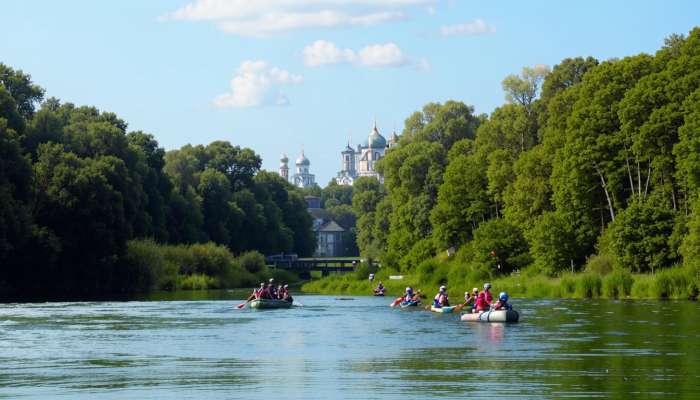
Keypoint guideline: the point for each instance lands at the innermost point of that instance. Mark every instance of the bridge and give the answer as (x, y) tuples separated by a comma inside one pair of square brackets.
[(304, 266)]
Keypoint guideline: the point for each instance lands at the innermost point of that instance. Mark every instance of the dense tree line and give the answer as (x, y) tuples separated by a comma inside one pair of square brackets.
[(76, 186), (587, 158)]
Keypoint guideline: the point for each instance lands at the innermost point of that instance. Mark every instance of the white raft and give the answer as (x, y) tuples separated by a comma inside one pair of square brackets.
[(492, 316)]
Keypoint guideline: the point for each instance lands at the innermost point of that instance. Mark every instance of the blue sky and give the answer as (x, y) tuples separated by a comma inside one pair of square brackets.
[(276, 75)]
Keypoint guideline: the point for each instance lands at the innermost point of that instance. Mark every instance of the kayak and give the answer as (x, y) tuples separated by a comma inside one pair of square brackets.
[(379, 293), (442, 309), (269, 303), (492, 316), (406, 304)]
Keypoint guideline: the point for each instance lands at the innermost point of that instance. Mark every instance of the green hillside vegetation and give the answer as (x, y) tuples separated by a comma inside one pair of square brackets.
[(585, 183), (84, 203)]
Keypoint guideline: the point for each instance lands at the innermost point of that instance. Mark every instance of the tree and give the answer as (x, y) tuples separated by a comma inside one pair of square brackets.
[(638, 238), (499, 247), (523, 89), (25, 93)]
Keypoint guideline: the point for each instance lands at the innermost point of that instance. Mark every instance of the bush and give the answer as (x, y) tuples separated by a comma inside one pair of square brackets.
[(567, 285), (588, 285), (641, 287), (674, 283), (252, 261), (496, 242), (198, 282), (618, 284), (600, 264)]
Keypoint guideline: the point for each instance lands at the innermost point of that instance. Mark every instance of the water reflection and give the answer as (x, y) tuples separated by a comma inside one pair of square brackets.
[(333, 348)]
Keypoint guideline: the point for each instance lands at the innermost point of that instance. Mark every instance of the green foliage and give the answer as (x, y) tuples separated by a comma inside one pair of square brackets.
[(588, 286), (499, 247), (617, 284), (638, 238), (552, 241), (601, 264), (76, 189), (252, 261)]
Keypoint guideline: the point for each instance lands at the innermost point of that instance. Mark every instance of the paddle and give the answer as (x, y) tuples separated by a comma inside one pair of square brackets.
[(396, 302), (246, 303)]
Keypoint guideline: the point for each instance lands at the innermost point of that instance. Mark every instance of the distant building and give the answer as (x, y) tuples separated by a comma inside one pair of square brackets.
[(284, 167), (361, 161), (302, 177), (329, 235)]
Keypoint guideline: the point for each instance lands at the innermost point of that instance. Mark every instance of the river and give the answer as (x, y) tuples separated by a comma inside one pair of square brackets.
[(346, 348)]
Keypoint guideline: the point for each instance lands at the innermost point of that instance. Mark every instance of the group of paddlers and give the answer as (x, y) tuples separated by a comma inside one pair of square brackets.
[(271, 292), (479, 301)]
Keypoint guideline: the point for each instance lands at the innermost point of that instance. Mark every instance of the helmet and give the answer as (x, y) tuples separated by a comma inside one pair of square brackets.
[(443, 288), (272, 280), (286, 286), (475, 290), (503, 296), (408, 289), (487, 286)]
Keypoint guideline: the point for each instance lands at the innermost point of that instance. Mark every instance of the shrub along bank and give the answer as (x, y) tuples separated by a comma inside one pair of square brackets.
[(197, 266), (671, 283)]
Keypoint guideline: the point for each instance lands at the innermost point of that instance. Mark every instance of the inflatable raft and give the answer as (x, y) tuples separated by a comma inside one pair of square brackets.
[(492, 316), (406, 304), (269, 304), (444, 310)]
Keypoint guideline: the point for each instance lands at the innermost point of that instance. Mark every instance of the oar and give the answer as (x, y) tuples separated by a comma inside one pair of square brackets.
[(244, 304)]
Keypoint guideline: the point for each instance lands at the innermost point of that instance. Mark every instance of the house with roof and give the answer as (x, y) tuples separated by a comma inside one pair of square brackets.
[(329, 235)]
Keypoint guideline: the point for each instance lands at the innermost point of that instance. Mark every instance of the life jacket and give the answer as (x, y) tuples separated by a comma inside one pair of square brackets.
[(408, 297), (489, 299), (481, 304)]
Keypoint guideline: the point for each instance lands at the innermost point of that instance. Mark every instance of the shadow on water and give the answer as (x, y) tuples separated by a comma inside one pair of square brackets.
[(196, 345)]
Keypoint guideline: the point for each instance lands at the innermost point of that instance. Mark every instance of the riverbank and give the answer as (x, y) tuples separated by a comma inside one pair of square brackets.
[(671, 283)]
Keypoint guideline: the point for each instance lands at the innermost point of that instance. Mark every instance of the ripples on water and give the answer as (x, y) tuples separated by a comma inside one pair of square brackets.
[(340, 348)]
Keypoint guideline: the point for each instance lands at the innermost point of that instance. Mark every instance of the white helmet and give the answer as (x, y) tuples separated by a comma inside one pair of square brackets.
[(442, 288), (487, 286)]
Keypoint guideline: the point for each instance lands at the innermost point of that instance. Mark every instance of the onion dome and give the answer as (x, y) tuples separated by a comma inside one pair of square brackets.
[(375, 140), (284, 159), (302, 160)]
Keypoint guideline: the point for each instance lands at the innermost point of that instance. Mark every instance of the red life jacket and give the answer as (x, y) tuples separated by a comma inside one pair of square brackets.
[(481, 304), (489, 299)]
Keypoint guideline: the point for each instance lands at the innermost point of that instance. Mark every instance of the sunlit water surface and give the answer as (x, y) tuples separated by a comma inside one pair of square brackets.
[(354, 348)]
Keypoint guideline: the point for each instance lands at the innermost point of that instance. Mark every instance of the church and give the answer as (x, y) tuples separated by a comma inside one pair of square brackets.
[(302, 177), (361, 161), (355, 163)]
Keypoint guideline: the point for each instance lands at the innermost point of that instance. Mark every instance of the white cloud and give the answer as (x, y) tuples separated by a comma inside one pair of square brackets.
[(378, 55), (275, 23), (256, 84), (476, 27), (323, 52), (267, 17)]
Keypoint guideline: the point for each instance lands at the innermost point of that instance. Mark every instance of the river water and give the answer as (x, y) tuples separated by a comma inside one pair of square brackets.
[(346, 348)]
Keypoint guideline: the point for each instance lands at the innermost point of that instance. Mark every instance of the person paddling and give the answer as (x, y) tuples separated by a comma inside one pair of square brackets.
[(487, 293), (470, 297), (272, 289), (379, 289), (285, 294), (502, 303), (481, 304), (441, 299)]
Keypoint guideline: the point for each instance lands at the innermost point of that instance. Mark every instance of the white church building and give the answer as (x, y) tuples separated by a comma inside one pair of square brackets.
[(355, 163), (361, 161)]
